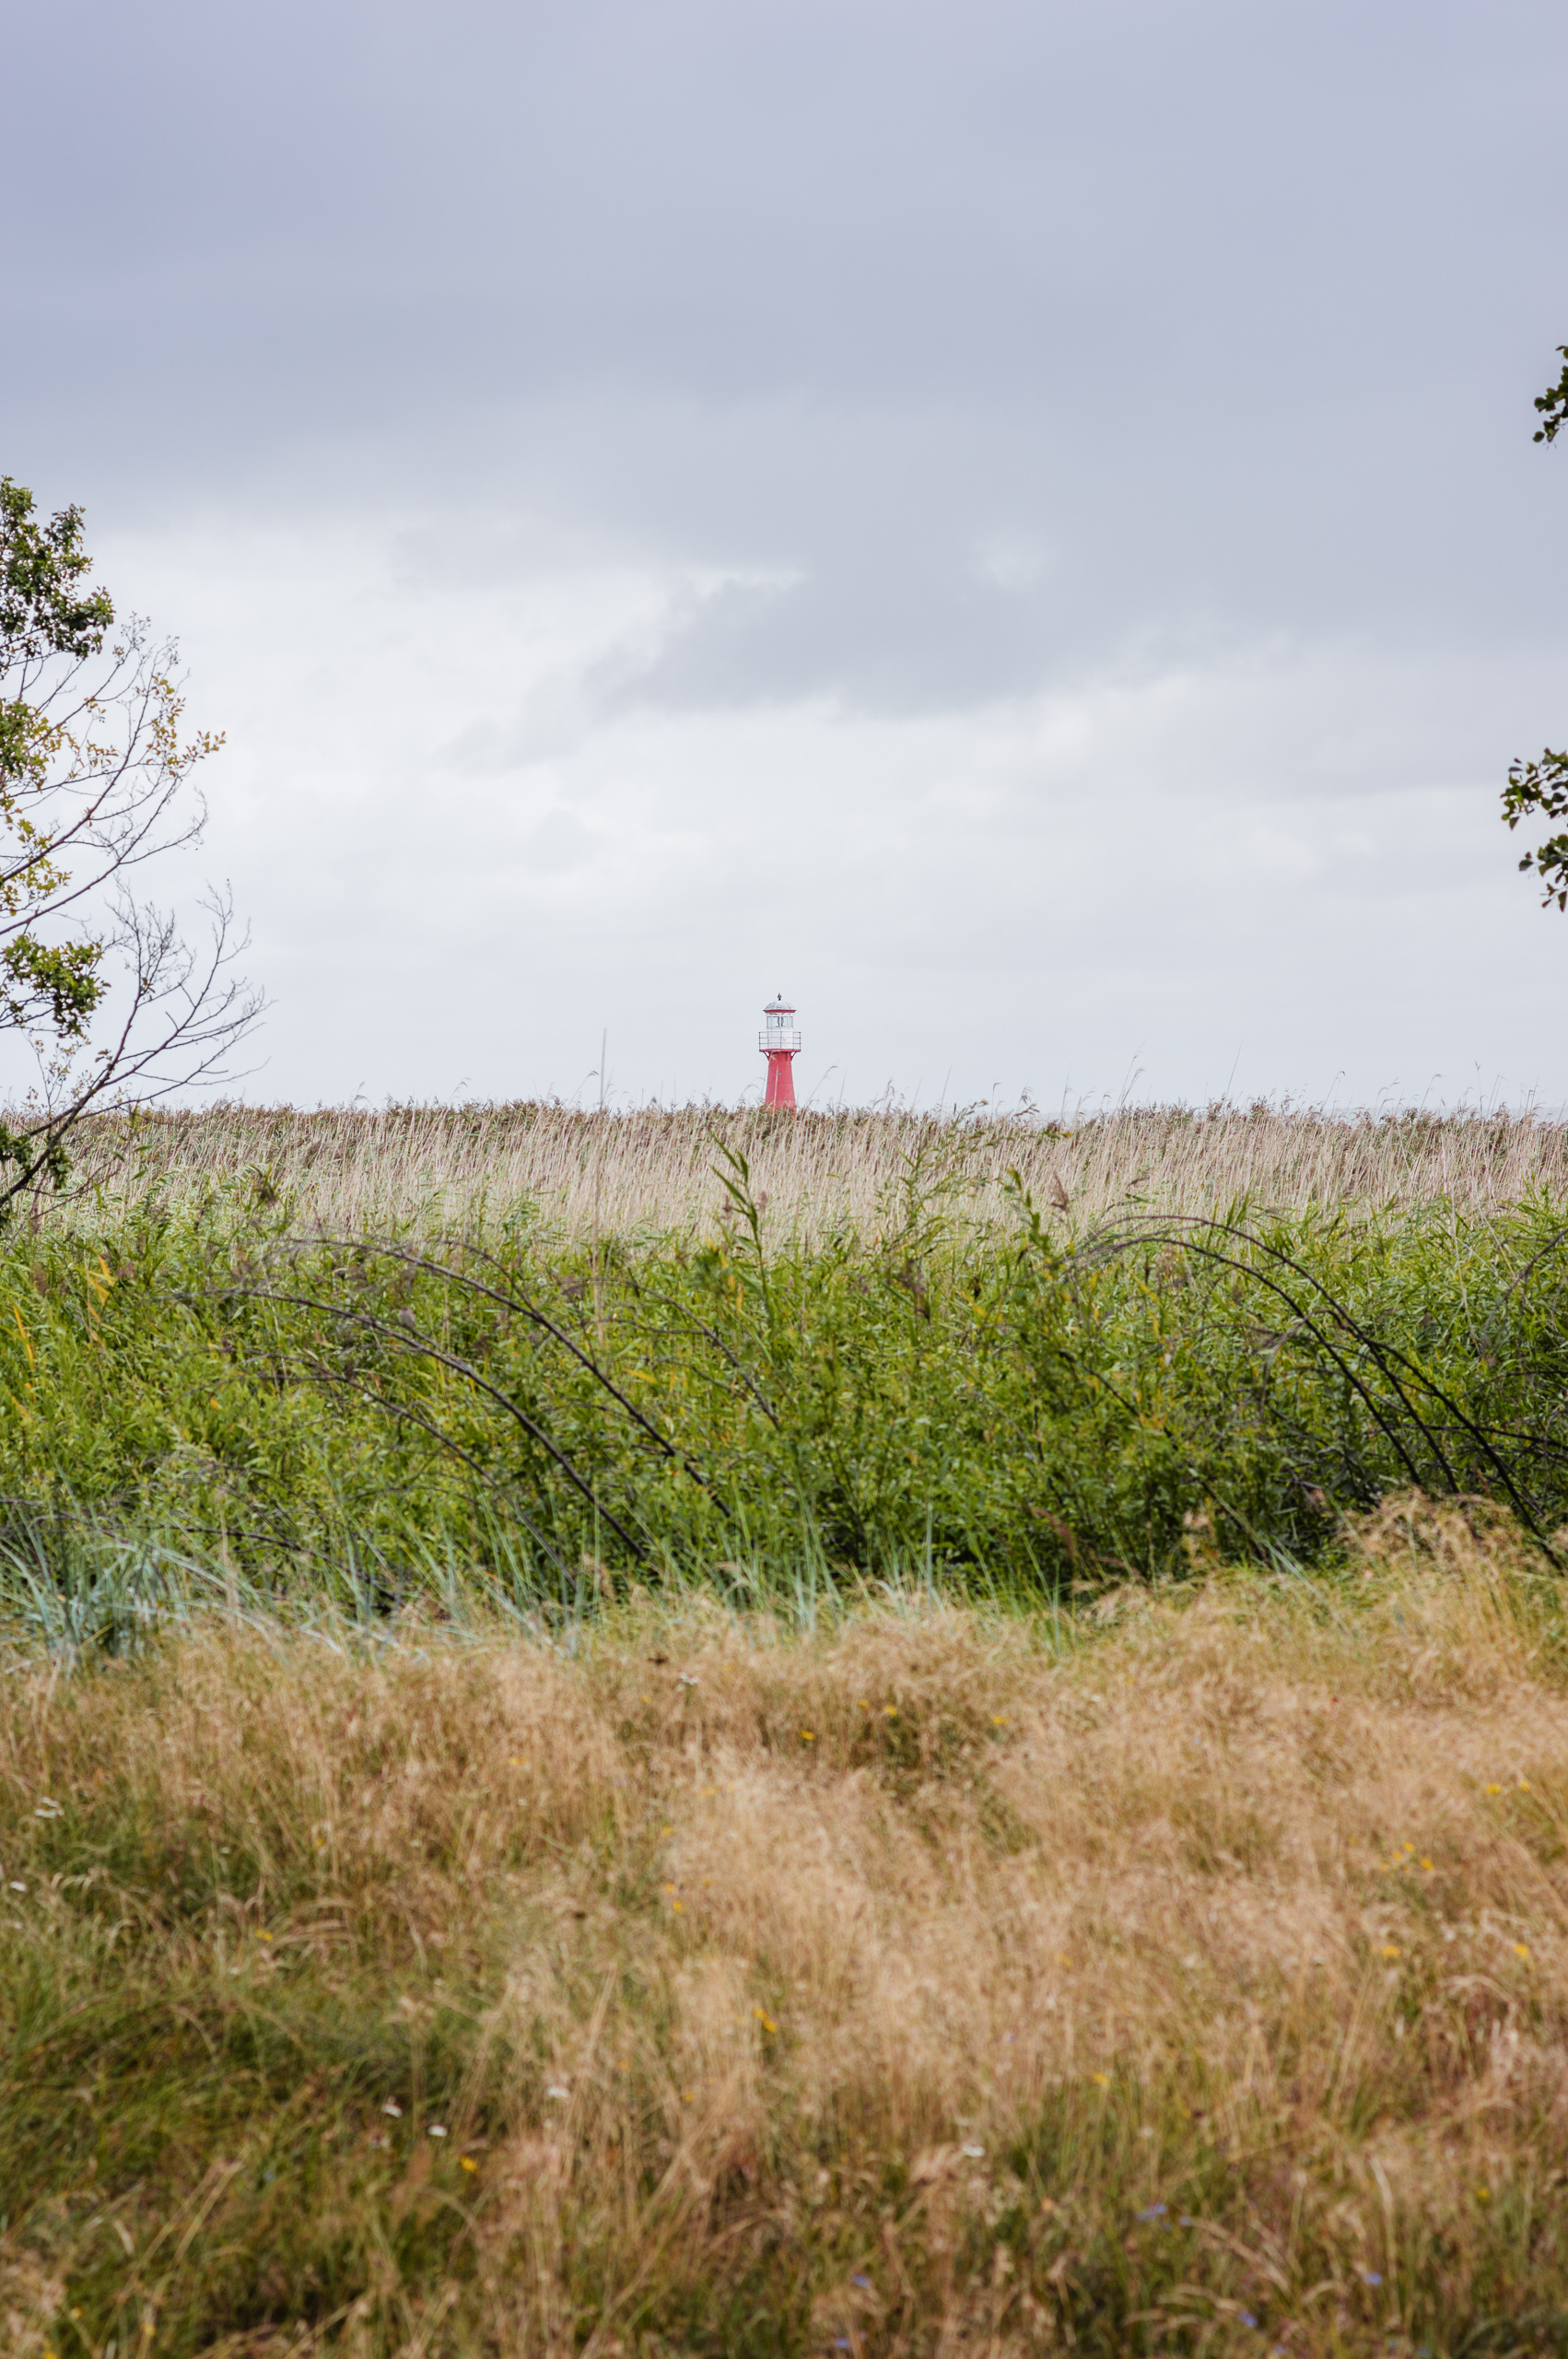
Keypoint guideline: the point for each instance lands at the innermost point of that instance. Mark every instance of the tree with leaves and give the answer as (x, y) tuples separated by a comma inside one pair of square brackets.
[(1543, 786), (108, 1001)]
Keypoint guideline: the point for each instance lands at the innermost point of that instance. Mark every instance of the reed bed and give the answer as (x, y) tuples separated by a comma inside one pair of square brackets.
[(436, 1168), (1186, 1976)]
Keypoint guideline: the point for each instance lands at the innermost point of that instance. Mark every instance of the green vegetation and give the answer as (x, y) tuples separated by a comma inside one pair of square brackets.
[(709, 1793), (198, 1404)]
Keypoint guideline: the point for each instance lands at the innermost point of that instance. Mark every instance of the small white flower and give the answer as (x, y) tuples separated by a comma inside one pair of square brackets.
[(559, 2094), (17, 1887), (974, 2152), (392, 2106), (437, 2130)]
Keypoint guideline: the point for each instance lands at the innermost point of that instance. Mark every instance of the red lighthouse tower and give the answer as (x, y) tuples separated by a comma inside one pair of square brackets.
[(780, 1044)]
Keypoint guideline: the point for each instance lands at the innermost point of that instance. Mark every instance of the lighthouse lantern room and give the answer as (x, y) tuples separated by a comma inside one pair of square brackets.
[(780, 1044)]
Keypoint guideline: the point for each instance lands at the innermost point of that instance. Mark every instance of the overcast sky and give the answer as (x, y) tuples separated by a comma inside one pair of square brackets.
[(1015, 523)]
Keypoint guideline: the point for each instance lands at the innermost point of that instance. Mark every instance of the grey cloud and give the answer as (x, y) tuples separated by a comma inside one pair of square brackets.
[(560, 842), (1093, 439), (1238, 311)]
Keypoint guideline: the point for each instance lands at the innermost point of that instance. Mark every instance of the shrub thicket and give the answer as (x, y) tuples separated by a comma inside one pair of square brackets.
[(200, 1397)]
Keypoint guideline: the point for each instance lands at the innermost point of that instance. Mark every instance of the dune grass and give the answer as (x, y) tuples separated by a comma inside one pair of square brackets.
[(1188, 1973)]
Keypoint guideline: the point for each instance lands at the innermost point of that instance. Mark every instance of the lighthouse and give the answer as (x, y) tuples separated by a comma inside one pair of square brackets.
[(780, 1044)]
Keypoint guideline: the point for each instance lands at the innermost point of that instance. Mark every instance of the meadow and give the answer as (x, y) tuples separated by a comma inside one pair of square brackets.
[(679, 1733)]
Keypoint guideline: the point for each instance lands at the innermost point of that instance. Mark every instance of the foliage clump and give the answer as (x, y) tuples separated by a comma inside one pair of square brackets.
[(1015, 1411)]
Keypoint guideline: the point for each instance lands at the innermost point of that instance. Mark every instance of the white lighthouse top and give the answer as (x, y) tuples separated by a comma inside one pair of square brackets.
[(780, 1036)]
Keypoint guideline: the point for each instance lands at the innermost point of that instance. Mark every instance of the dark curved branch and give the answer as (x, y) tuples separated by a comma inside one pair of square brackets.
[(410, 1340), (409, 1415), (667, 1302), (1390, 1434), (1381, 1353), (525, 1309)]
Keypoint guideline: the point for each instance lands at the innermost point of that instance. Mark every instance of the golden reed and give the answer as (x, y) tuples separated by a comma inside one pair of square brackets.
[(653, 1170)]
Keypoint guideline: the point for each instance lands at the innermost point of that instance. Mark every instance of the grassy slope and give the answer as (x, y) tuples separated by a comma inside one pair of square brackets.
[(939, 1982)]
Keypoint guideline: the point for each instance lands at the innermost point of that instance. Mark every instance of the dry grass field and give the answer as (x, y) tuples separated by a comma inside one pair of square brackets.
[(1193, 1977), (436, 1168)]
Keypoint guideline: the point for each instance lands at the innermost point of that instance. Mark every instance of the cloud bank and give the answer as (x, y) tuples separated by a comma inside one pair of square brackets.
[(1016, 524)]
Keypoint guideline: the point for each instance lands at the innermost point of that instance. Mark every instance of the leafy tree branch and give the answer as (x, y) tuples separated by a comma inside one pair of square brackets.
[(1540, 787), (95, 781), (1553, 404)]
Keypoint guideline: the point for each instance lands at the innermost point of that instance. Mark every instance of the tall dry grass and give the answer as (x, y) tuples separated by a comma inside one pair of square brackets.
[(1194, 1979), (442, 1168)]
